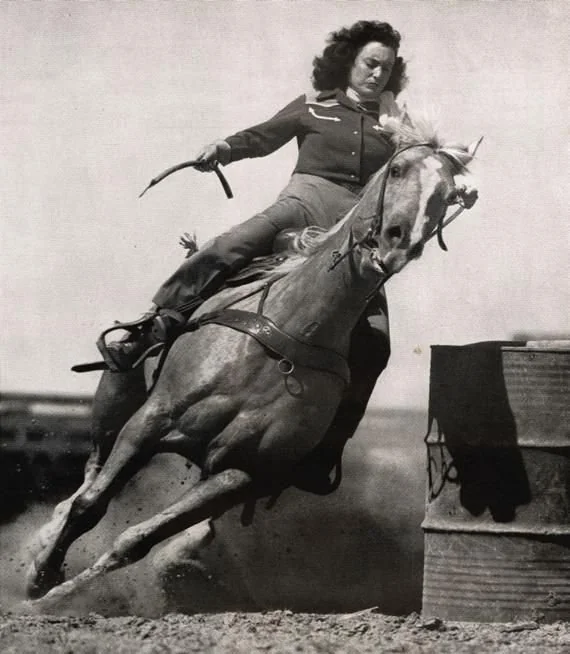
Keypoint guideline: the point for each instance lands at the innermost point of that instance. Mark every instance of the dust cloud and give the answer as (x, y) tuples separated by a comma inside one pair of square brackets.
[(130, 591)]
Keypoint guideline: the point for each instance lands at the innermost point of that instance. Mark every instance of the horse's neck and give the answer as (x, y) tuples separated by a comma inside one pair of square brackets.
[(318, 304)]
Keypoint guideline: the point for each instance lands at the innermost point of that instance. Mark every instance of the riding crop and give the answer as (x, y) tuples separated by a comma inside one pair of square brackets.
[(190, 164)]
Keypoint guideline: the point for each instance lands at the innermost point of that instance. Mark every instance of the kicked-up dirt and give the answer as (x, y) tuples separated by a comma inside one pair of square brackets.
[(127, 612), (284, 632)]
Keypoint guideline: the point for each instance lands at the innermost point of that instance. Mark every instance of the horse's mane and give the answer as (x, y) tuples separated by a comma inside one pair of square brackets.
[(402, 133), (306, 243), (423, 129)]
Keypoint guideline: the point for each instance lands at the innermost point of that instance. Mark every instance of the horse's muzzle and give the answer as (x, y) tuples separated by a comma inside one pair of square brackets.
[(415, 252)]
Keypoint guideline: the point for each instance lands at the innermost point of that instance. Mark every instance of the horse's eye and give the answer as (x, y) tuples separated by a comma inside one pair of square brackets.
[(395, 171)]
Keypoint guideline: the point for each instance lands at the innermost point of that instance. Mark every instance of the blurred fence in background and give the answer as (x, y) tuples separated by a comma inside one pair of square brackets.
[(44, 442)]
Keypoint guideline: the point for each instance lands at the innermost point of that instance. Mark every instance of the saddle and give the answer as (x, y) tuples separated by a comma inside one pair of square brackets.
[(260, 266), (278, 343)]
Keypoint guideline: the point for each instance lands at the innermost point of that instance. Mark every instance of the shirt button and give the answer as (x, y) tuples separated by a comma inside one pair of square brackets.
[(353, 177), (353, 154), (355, 131)]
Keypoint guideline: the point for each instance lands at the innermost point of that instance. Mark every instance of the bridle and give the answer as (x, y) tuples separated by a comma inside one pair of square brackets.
[(368, 240), (379, 214)]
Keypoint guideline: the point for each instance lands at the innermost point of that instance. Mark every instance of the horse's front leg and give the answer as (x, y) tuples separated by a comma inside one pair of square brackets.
[(117, 398), (49, 532), (208, 498), (131, 451)]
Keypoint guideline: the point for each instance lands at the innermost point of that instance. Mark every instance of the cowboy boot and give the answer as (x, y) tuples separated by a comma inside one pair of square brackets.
[(146, 338)]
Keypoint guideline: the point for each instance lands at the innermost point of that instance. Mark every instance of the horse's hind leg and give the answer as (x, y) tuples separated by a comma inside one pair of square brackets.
[(207, 498), (131, 451)]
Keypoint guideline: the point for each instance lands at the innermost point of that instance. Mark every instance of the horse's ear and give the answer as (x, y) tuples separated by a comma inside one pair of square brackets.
[(462, 154), (391, 128), (473, 147), (399, 129)]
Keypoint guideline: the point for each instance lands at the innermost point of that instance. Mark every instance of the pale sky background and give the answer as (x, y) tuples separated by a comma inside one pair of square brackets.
[(99, 97)]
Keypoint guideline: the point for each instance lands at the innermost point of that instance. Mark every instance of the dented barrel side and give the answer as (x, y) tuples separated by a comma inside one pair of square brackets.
[(497, 522)]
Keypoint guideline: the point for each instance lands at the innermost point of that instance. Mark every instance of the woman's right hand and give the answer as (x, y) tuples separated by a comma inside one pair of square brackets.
[(218, 152)]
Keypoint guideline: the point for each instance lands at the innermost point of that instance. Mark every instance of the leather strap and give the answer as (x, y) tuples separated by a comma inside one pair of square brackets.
[(268, 334), (265, 332)]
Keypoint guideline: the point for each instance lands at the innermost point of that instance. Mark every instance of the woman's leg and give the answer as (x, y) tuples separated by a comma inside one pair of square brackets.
[(200, 276), (307, 200)]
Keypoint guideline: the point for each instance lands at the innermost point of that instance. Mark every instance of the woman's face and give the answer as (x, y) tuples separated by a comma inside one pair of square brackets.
[(371, 70)]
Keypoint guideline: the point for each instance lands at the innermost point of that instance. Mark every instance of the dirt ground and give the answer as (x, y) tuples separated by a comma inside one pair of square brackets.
[(272, 632), (125, 613)]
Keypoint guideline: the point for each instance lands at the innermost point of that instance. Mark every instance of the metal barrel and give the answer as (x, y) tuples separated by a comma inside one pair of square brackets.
[(497, 521)]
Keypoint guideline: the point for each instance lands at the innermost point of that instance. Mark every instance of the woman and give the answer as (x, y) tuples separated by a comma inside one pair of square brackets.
[(341, 144)]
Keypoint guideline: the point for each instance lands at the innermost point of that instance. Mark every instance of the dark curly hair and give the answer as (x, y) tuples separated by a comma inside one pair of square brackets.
[(332, 69)]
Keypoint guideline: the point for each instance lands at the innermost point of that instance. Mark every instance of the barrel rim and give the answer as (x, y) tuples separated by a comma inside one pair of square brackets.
[(504, 347)]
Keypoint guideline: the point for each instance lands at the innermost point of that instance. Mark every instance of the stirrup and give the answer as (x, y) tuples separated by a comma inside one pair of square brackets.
[(159, 332), (132, 327)]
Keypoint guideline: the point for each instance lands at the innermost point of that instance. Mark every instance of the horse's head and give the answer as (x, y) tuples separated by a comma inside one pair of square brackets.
[(405, 203)]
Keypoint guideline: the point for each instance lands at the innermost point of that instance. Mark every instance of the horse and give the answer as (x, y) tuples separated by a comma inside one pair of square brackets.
[(249, 391)]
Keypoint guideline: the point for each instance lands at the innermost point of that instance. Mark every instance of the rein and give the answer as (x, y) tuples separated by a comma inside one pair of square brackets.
[(369, 242), (368, 239)]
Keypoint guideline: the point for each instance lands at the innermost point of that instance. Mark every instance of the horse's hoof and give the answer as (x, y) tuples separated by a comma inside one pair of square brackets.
[(39, 583)]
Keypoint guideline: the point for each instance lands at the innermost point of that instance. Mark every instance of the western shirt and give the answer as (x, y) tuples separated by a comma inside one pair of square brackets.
[(336, 138)]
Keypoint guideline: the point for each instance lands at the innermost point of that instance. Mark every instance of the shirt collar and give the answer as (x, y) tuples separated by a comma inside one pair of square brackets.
[(353, 95), (350, 99)]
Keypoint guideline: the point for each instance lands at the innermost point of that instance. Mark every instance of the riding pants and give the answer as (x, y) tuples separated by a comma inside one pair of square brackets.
[(306, 200)]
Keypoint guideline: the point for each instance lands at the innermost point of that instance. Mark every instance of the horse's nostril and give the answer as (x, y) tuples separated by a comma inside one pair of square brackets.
[(394, 234)]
